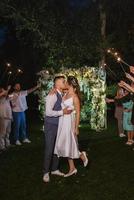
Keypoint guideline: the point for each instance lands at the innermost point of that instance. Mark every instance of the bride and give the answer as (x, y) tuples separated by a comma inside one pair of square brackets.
[(66, 143)]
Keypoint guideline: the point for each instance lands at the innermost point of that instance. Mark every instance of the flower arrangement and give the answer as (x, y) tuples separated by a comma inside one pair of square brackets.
[(93, 87)]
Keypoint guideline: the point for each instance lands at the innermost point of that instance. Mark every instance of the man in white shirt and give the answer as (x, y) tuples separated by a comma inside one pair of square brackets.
[(19, 106), (53, 112)]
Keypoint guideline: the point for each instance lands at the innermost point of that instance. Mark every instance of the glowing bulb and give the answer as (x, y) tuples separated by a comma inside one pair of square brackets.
[(19, 71), (109, 51), (9, 72), (115, 53), (118, 59), (8, 65)]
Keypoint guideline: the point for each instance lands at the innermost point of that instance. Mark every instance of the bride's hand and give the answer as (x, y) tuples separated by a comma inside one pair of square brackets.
[(77, 131)]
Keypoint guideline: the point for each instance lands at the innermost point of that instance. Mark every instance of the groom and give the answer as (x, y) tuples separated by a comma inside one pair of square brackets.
[(53, 112)]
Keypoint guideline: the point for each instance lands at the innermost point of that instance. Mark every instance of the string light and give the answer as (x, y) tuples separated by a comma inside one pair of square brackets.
[(47, 72), (8, 64)]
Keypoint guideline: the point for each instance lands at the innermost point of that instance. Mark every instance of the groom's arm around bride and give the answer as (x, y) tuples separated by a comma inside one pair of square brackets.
[(50, 102)]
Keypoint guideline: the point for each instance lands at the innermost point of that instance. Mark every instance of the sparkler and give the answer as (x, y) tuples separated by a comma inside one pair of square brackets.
[(18, 72), (9, 75), (116, 55), (118, 58), (107, 67), (122, 67), (8, 65)]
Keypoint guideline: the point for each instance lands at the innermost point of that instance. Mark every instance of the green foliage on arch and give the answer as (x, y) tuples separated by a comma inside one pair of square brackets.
[(93, 87)]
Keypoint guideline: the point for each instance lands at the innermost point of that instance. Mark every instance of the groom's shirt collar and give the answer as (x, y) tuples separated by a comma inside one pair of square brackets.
[(59, 92)]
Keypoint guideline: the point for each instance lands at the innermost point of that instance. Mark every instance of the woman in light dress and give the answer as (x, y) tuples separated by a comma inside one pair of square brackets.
[(5, 118), (68, 130), (127, 124), (119, 112)]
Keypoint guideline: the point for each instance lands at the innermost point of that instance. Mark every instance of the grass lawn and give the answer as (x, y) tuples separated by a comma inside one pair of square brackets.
[(110, 175)]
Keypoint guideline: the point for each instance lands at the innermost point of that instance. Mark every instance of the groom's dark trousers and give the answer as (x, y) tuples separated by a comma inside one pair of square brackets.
[(51, 161)]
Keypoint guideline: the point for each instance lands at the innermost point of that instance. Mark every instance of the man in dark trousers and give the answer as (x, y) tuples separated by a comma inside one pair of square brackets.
[(53, 112)]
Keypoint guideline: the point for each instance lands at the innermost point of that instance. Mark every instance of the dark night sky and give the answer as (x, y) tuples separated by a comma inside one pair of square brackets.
[(8, 39), (72, 3), (79, 3), (9, 42), (3, 35)]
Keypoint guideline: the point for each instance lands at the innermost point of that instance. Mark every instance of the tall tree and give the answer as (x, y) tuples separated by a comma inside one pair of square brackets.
[(58, 34)]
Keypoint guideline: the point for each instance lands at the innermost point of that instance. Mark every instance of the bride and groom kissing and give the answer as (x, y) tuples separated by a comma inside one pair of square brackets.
[(62, 118)]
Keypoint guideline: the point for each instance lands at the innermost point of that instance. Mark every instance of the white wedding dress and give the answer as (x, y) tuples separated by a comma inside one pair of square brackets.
[(66, 143)]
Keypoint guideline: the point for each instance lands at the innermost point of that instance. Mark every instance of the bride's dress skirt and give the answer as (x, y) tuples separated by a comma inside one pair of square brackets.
[(66, 142)]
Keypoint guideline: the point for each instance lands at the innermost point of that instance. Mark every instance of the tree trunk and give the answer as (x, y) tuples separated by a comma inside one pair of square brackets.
[(103, 33)]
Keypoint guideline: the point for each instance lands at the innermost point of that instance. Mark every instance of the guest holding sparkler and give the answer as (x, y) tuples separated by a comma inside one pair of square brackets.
[(118, 110), (19, 106), (127, 102), (130, 88)]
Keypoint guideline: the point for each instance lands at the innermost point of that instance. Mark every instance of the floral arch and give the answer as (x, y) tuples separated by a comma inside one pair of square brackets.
[(93, 87)]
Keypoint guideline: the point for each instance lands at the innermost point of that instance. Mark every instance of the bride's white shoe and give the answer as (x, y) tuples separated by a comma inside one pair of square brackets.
[(85, 162), (71, 173)]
